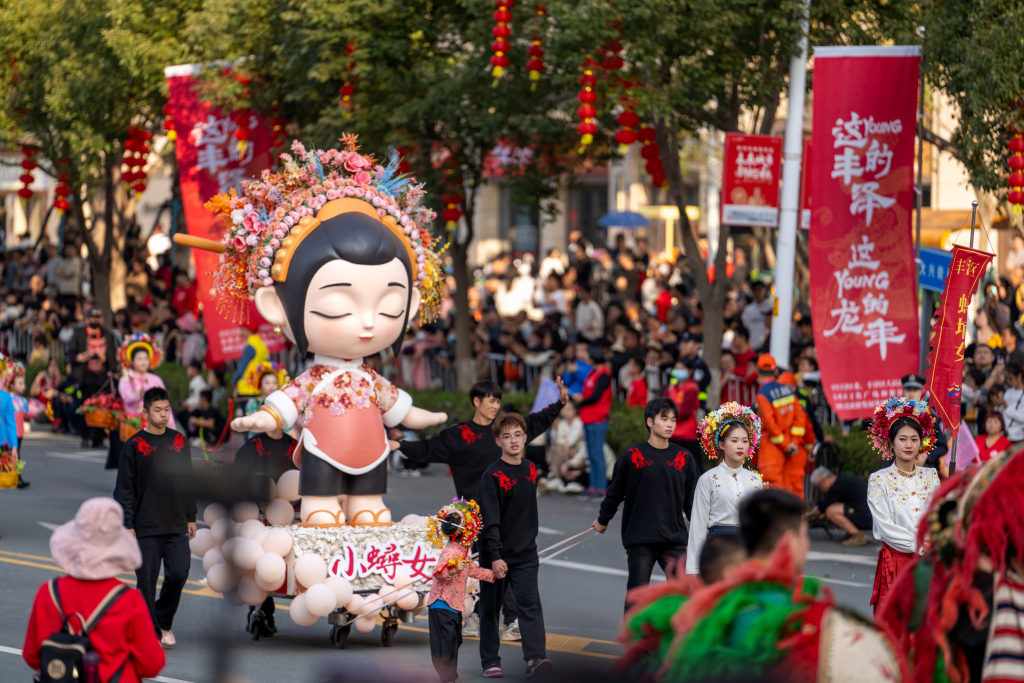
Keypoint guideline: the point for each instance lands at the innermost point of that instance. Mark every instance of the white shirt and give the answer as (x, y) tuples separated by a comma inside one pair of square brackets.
[(196, 386), (589, 320), (898, 501), (717, 502), (753, 317), (1013, 413)]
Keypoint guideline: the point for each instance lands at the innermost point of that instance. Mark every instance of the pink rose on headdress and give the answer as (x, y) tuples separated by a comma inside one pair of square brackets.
[(298, 148), (268, 251), (360, 192), (378, 202), (262, 274), (257, 227), (332, 194), (362, 178), (350, 192), (240, 244), (287, 220), (251, 240), (355, 162), (265, 262), (249, 219), (274, 244), (267, 282), (321, 199), (404, 221), (278, 235)]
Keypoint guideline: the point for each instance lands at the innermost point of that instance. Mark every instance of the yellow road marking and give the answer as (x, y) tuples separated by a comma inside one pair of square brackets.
[(556, 643)]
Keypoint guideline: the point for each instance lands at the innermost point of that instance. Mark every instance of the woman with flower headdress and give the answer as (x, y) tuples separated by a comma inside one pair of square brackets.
[(898, 495), (138, 355), (731, 433), (335, 251)]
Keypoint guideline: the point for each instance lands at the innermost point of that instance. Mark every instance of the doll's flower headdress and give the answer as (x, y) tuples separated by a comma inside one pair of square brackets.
[(729, 413), (139, 340), (472, 523), (11, 369), (266, 223), (255, 374), (892, 410)]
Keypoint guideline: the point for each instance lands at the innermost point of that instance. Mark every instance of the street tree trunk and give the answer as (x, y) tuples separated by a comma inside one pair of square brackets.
[(712, 295)]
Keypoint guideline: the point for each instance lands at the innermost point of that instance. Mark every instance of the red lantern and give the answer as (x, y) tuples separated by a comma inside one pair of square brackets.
[(136, 150), (535, 65), (451, 214), (652, 154), (587, 112), (628, 120), (348, 89), (27, 178), (1016, 194), (503, 17), (62, 191)]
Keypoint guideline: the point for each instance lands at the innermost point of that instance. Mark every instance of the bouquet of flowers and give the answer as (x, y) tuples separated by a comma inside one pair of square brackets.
[(10, 468)]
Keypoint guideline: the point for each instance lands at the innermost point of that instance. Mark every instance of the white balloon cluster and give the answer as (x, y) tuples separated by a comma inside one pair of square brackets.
[(244, 560)]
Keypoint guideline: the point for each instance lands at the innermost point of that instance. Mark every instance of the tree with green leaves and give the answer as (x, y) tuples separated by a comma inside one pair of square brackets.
[(422, 85), (79, 75)]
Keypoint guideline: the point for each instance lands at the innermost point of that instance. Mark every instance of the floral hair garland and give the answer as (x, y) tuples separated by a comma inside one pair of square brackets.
[(472, 523), (729, 413), (258, 221), (11, 370), (894, 409), (139, 340), (255, 374)]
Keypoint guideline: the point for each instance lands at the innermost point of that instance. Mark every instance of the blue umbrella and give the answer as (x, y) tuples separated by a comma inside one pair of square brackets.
[(623, 219)]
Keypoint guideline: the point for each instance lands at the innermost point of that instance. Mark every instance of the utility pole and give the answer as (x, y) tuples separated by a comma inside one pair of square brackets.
[(789, 215)]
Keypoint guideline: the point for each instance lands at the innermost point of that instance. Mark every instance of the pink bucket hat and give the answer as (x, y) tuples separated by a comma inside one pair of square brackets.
[(95, 545)]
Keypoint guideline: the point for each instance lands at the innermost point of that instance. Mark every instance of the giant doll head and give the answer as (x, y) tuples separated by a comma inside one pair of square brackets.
[(333, 250)]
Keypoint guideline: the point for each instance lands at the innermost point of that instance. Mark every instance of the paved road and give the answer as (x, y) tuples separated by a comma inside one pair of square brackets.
[(582, 590)]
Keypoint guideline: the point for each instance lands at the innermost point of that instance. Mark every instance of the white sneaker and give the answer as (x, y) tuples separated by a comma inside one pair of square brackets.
[(471, 626), (573, 487), (511, 632), (167, 639)]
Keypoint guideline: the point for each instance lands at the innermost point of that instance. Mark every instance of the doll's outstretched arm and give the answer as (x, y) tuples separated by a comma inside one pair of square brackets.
[(417, 418)]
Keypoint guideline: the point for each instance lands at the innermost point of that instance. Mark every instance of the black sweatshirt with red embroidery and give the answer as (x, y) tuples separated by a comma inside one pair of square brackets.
[(508, 505), (657, 485), (154, 484), (263, 455), (469, 448)]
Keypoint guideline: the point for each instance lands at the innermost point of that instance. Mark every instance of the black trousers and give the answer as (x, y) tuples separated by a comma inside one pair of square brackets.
[(508, 606), (522, 577), (640, 561), (445, 639), (173, 551), (267, 607)]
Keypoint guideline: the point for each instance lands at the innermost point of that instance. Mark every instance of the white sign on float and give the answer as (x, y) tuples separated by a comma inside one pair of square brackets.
[(384, 559)]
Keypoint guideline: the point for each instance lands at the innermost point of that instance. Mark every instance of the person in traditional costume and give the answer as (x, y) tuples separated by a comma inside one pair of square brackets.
[(765, 619), (898, 495), (268, 376), (139, 354), (14, 384), (453, 529), (333, 250), (731, 433)]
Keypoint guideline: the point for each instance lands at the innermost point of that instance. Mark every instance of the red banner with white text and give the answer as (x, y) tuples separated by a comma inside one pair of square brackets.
[(210, 160), (946, 360), (863, 293), (750, 180)]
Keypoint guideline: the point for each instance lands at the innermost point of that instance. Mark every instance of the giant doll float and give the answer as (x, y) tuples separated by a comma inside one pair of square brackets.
[(334, 250)]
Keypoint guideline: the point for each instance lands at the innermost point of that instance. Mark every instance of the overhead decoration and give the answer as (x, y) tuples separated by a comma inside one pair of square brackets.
[(587, 97), (277, 132), (501, 32), (63, 192), (1016, 145), (627, 120), (347, 90), (451, 213), (26, 177), (136, 151), (535, 64), (172, 134), (243, 133), (651, 154)]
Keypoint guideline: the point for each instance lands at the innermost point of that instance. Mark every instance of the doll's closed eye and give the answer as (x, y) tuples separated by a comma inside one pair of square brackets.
[(331, 317), (395, 316)]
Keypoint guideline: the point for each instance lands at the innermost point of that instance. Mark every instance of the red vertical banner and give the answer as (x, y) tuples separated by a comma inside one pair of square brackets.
[(210, 160), (946, 360), (863, 295), (750, 180)]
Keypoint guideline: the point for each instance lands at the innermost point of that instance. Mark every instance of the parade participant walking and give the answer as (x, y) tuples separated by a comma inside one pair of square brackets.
[(731, 433), (508, 503), (898, 495), (766, 621), (655, 479), (155, 489), (93, 351), (844, 503), (787, 433), (93, 549), (11, 427), (139, 355), (270, 455), (455, 528), (468, 448), (594, 405)]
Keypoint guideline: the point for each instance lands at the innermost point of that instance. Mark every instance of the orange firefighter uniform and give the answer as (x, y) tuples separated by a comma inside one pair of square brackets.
[(786, 437)]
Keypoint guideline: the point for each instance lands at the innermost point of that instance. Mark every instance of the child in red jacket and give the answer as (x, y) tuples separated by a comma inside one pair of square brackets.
[(93, 549), (456, 527)]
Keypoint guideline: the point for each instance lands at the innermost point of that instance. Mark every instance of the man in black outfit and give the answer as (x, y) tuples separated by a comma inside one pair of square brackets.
[(468, 449), (265, 455), (94, 353), (508, 505), (844, 503), (155, 489), (656, 480)]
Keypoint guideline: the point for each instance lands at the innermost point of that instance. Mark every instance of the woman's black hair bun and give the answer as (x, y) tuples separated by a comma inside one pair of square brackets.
[(450, 525)]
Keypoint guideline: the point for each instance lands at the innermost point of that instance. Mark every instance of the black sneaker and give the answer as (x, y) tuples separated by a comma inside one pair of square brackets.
[(22, 484), (539, 666)]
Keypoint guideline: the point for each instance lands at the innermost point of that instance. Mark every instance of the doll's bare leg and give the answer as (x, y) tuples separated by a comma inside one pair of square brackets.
[(369, 506), (321, 510)]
